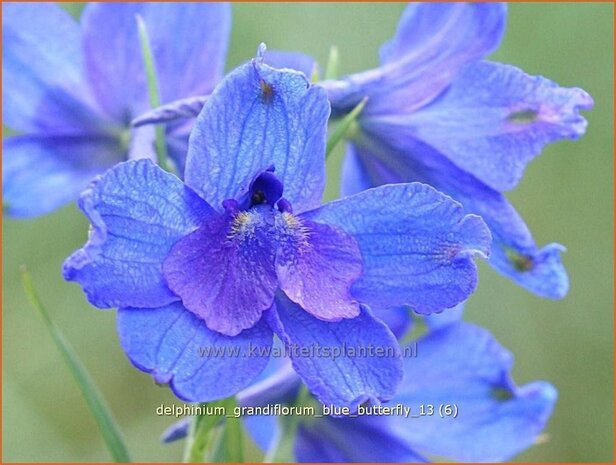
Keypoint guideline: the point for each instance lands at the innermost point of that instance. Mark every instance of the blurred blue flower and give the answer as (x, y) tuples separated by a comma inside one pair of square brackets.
[(460, 367), (438, 113), (70, 90), (242, 250)]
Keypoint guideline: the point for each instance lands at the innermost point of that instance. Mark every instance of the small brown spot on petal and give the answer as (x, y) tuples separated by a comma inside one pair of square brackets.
[(523, 116), (267, 91)]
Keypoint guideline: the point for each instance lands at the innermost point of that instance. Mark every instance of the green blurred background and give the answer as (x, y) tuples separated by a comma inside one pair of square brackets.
[(566, 196)]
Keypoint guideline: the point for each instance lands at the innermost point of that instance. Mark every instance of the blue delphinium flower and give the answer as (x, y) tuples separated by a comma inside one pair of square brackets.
[(438, 113), (70, 90), (242, 250), (460, 372)]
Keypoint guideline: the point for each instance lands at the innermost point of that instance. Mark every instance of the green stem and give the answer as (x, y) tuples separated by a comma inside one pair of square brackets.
[(343, 127), (214, 438), (234, 439), (282, 451), (153, 91), (99, 409)]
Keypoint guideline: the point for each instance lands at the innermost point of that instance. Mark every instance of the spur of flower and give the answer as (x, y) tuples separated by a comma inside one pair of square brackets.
[(242, 249), (70, 90), (437, 112)]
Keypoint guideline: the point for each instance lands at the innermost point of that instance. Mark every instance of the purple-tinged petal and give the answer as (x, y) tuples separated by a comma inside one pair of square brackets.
[(362, 439), (200, 365), (259, 117), (513, 253), (224, 271), (41, 173), (42, 82), (291, 60), (334, 374), (188, 42), (138, 212), (316, 265), (493, 120), (416, 243), (463, 365), (434, 42)]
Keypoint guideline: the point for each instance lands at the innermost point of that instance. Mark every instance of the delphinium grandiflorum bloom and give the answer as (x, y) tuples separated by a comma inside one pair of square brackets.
[(438, 113), (460, 372), (71, 89), (242, 250)]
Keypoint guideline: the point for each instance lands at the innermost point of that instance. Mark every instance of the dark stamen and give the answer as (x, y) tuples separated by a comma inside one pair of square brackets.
[(258, 198)]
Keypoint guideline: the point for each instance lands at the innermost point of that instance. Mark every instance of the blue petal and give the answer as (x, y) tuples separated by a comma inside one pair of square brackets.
[(539, 270), (332, 373), (316, 265), (355, 175), (361, 439), (398, 319), (42, 83), (264, 430), (462, 364), (513, 253), (441, 30), (280, 386), (292, 60), (41, 173), (259, 117), (188, 41), (433, 43), (417, 246), (177, 431), (224, 271), (172, 344), (493, 120), (138, 212)]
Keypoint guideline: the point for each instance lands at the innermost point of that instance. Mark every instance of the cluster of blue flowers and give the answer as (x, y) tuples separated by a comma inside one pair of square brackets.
[(235, 247)]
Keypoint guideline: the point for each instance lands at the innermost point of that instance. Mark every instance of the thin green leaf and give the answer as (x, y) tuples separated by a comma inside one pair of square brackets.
[(343, 126), (215, 438), (99, 409), (201, 437), (331, 72), (153, 91)]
